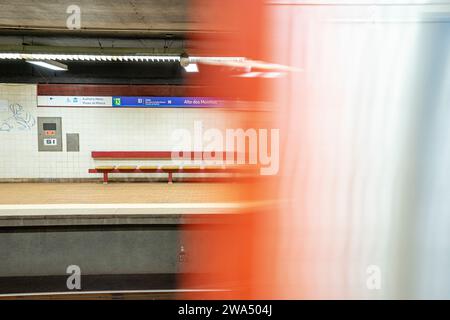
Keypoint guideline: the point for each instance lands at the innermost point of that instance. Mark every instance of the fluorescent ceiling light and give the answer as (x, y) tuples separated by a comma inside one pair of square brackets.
[(53, 65), (121, 58), (273, 74), (254, 74), (191, 67), (250, 75), (216, 59), (102, 57)]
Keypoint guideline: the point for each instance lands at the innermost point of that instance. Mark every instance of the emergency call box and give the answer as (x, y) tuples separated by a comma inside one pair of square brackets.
[(49, 134)]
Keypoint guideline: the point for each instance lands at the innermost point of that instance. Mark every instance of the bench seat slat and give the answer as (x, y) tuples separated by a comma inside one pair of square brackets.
[(102, 168), (214, 168), (192, 167), (148, 167), (170, 167), (126, 167)]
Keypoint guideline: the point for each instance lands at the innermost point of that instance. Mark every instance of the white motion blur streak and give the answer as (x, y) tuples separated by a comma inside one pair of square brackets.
[(351, 122)]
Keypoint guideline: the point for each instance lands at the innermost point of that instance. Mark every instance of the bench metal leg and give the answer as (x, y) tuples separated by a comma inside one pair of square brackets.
[(105, 177), (170, 178)]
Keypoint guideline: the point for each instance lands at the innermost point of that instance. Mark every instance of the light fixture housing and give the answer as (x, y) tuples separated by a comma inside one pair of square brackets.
[(49, 64), (187, 64)]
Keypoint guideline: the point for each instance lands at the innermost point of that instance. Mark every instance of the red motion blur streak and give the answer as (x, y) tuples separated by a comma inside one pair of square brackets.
[(239, 255)]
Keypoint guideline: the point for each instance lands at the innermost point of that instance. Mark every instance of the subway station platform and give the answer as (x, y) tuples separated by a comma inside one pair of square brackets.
[(58, 204), (114, 193)]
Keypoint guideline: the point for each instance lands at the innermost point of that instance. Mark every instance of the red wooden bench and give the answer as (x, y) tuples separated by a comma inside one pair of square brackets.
[(170, 169)]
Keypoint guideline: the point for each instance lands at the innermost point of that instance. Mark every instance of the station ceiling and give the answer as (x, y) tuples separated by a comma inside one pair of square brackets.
[(105, 17), (108, 27)]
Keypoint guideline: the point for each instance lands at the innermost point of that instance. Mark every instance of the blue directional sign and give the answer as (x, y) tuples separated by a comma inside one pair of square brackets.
[(166, 102)]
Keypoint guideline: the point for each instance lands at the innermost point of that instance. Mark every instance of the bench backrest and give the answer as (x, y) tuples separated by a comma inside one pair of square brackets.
[(148, 155), (137, 155)]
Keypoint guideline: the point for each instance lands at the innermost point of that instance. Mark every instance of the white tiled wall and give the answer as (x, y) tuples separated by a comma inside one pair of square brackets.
[(100, 129)]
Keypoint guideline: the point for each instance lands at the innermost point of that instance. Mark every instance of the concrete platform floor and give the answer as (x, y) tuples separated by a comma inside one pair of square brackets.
[(95, 193)]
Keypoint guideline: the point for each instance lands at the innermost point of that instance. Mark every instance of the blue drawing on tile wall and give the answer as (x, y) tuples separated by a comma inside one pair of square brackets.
[(17, 119)]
